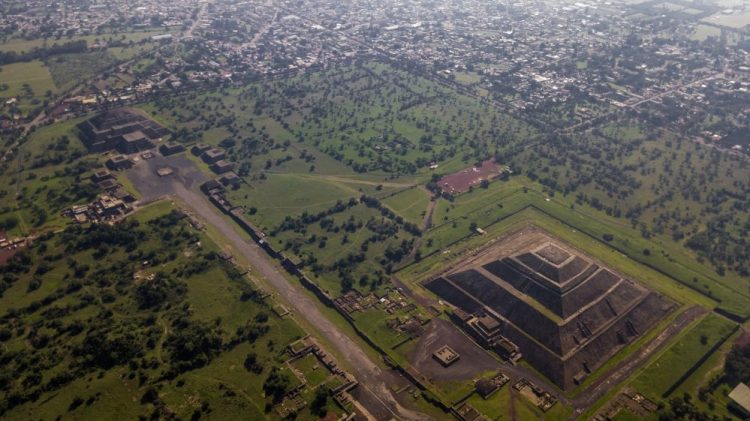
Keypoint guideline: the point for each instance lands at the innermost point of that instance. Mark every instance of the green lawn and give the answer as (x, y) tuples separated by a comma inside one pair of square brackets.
[(314, 372), (664, 373), (288, 194), (35, 75), (410, 204), (20, 45)]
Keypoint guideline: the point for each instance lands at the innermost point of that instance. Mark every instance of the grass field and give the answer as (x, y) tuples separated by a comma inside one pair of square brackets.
[(20, 45), (305, 143), (497, 407), (35, 75), (222, 384), (451, 233), (50, 173), (70, 69), (701, 377), (281, 183), (467, 78), (663, 374), (280, 195), (411, 204)]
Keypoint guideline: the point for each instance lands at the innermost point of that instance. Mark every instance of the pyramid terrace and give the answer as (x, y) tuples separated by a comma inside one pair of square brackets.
[(566, 313)]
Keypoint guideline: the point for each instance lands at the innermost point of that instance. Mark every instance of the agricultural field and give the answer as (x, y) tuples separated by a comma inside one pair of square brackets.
[(133, 327), (410, 203)]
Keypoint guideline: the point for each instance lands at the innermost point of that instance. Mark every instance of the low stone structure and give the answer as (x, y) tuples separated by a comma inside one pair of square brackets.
[(171, 148), (446, 356), (119, 163)]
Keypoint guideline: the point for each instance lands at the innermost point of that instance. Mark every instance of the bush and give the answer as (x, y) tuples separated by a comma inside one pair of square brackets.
[(77, 401), (101, 350), (193, 346), (276, 385), (737, 365), (319, 404), (150, 294), (251, 363)]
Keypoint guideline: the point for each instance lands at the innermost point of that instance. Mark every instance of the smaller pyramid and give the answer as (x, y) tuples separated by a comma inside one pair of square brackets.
[(123, 129)]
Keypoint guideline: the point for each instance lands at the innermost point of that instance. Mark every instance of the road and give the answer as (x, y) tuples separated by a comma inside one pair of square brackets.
[(266, 27), (182, 184), (719, 75), (198, 18)]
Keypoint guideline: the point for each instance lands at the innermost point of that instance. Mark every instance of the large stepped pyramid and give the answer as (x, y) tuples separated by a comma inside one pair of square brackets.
[(567, 313)]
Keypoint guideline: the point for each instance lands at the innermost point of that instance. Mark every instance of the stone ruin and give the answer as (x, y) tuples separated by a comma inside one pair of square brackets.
[(567, 313)]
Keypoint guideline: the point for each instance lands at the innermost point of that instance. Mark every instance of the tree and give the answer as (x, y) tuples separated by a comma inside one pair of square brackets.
[(105, 351), (251, 363), (737, 365), (276, 385), (153, 293), (319, 404), (193, 346)]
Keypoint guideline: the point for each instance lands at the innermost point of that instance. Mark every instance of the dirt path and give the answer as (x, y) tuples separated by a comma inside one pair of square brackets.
[(344, 179), (426, 224), (266, 27), (512, 405), (160, 346), (366, 371)]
